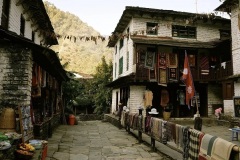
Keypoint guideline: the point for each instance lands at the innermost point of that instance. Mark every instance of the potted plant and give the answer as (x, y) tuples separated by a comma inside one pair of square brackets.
[(167, 111)]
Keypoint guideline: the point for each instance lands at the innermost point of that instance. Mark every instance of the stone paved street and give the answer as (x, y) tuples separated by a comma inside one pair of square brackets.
[(96, 140)]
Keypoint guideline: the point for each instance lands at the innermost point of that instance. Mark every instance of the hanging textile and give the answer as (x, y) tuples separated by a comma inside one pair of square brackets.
[(148, 125), (172, 60), (188, 80), (194, 144), (162, 79), (186, 137), (180, 137), (221, 149), (191, 59), (135, 121), (206, 147), (156, 130), (164, 98), (164, 132), (162, 60), (181, 96), (148, 97), (123, 119), (35, 75), (171, 131), (204, 64), (150, 60)]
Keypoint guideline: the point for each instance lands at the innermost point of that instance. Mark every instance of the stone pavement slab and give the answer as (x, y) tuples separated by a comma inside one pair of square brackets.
[(97, 140)]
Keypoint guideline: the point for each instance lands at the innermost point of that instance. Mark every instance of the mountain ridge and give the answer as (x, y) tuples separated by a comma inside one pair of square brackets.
[(80, 47)]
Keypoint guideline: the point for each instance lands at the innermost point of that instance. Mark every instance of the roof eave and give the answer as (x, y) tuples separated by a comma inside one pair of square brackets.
[(226, 6)]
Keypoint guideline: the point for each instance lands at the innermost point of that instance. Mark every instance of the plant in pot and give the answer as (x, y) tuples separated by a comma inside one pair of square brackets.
[(167, 111)]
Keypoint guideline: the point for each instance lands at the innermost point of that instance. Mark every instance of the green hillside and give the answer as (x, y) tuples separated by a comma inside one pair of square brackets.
[(80, 46)]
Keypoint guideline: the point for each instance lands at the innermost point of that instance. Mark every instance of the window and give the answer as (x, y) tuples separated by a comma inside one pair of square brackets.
[(22, 26), (183, 31), (121, 43), (128, 33), (115, 74), (5, 14), (120, 66), (228, 90), (116, 101), (127, 60), (152, 28), (116, 49), (33, 36)]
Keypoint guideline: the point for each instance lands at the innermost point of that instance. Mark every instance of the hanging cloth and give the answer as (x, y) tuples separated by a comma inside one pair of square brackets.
[(148, 97), (164, 97)]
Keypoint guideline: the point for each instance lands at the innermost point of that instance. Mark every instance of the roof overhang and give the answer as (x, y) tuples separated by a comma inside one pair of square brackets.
[(122, 80), (169, 41), (129, 80), (227, 5), (38, 15), (45, 57)]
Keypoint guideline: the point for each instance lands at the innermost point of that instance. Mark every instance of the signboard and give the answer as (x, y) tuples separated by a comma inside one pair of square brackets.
[(236, 103)]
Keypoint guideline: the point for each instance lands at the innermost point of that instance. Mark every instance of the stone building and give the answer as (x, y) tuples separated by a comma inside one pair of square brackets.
[(31, 73), (150, 45), (232, 8)]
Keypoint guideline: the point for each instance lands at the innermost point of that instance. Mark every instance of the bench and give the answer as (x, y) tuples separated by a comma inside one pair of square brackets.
[(235, 132)]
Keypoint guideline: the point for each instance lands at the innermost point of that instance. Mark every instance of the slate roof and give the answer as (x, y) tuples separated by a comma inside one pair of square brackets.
[(139, 12)]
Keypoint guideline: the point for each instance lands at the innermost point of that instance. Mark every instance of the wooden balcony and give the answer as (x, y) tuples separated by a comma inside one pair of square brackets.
[(221, 71)]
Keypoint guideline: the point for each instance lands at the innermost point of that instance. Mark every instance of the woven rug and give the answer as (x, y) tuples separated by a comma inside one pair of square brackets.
[(206, 147), (221, 149)]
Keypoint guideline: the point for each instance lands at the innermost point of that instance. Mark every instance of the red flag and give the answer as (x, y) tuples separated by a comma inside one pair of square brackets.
[(187, 78)]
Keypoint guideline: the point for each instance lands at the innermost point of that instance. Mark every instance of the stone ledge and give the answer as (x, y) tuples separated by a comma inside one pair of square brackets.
[(89, 117), (112, 119)]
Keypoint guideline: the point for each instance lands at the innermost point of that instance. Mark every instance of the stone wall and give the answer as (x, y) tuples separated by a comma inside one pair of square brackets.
[(235, 41), (112, 119), (228, 104), (205, 31), (90, 117), (136, 98), (214, 97), (16, 75)]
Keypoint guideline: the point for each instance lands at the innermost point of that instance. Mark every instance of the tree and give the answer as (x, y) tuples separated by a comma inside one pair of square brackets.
[(102, 94), (71, 89)]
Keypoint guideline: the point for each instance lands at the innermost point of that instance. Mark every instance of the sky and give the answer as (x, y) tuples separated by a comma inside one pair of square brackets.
[(103, 15)]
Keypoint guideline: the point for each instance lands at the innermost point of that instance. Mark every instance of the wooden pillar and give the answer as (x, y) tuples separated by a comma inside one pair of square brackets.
[(153, 144), (140, 118)]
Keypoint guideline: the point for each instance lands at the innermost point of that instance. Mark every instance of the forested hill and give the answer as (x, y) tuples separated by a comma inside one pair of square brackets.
[(78, 48)]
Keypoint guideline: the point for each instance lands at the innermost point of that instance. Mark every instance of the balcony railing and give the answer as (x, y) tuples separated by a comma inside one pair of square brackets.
[(218, 72)]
